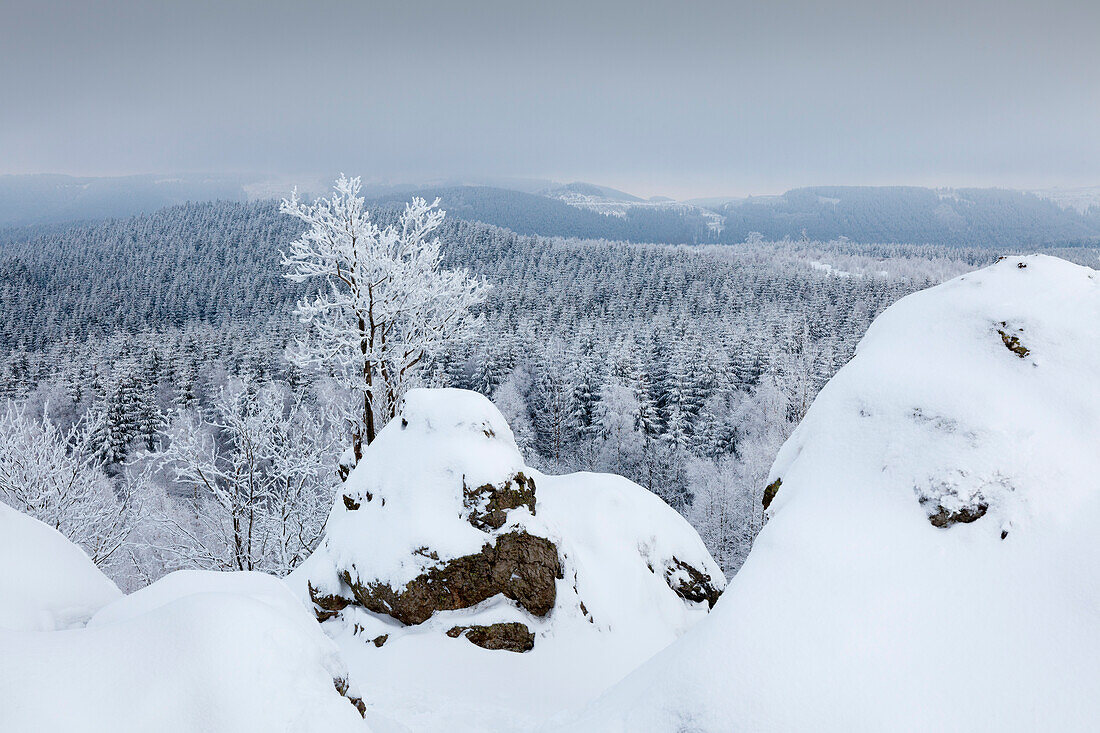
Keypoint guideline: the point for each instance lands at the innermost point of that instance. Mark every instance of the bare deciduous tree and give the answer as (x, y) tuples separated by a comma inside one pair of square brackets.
[(262, 474), (385, 304), (54, 476)]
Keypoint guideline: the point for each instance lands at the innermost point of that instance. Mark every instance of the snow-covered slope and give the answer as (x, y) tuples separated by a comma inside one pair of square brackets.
[(196, 651), (46, 582), (931, 560), (443, 542)]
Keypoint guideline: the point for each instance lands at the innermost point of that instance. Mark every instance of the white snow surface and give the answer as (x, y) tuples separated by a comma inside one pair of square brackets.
[(413, 473), (854, 612), (614, 538), (46, 582), (259, 586), (195, 651)]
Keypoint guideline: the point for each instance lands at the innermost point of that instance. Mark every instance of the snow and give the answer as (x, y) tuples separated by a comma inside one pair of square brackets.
[(259, 586), (195, 651), (1078, 199), (616, 542), (46, 582), (830, 270), (619, 209), (202, 663), (416, 472), (854, 612)]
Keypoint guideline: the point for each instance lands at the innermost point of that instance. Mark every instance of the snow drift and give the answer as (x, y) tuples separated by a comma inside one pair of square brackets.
[(470, 592), (46, 582), (195, 651), (931, 560)]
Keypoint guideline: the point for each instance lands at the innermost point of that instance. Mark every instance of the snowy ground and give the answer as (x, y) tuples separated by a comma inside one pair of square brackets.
[(855, 611), (930, 563), (46, 582), (195, 651)]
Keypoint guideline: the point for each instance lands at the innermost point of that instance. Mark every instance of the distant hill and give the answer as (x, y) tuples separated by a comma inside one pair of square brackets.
[(526, 213), (48, 199), (589, 189), (979, 217), (974, 216)]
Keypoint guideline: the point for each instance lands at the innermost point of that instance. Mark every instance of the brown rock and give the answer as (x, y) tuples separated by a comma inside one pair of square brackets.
[(520, 566), (327, 606), (1012, 342), (697, 588), (488, 504), (380, 640), (770, 491), (966, 515), (341, 685), (512, 637)]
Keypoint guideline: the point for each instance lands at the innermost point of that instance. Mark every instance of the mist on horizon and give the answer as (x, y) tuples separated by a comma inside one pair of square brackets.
[(693, 99)]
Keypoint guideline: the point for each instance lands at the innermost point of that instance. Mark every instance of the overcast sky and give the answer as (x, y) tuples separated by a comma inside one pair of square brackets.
[(679, 98)]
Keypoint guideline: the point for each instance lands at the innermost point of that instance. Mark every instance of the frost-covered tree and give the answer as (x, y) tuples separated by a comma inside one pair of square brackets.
[(54, 476), (385, 304), (261, 473)]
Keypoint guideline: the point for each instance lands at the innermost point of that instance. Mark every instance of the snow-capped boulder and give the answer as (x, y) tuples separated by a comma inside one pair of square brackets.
[(194, 651), (46, 582), (931, 559), (444, 551)]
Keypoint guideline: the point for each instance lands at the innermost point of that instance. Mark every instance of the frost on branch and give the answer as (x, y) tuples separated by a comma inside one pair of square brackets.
[(54, 476), (383, 305)]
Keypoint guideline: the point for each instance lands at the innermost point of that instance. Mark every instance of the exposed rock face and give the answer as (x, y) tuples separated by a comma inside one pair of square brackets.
[(489, 504), (943, 517), (1012, 341), (442, 528), (343, 688), (512, 637), (770, 491), (520, 566), (327, 605), (691, 584)]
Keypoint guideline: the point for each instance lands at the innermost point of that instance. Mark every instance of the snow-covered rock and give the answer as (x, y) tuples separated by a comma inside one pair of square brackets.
[(195, 651), (931, 560), (442, 541), (46, 582)]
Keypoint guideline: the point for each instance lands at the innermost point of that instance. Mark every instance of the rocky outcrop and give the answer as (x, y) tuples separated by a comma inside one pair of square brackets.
[(442, 526), (770, 491), (512, 637), (327, 605), (1012, 341), (692, 584), (519, 566), (943, 517), (488, 505)]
